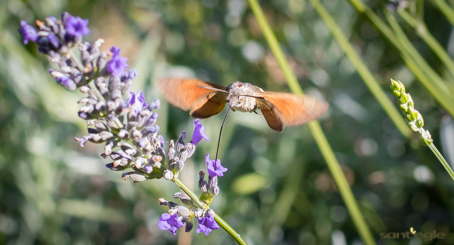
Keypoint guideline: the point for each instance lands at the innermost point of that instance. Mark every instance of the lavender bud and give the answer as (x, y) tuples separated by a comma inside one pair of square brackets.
[(155, 104), (84, 89), (183, 155), (185, 199), (189, 226), (215, 190), (148, 169), (173, 210), (129, 149), (111, 166), (203, 185), (136, 134), (161, 140), (209, 212), (213, 181), (181, 138), (108, 148), (174, 166), (121, 162), (198, 213), (171, 151), (168, 175), (105, 135), (148, 148), (136, 176), (140, 161), (100, 126), (190, 148), (183, 211)]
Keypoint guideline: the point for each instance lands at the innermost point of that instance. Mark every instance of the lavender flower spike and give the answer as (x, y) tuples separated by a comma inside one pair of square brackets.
[(117, 64), (199, 133), (214, 167), (170, 223), (27, 32), (77, 27), (207, 225)]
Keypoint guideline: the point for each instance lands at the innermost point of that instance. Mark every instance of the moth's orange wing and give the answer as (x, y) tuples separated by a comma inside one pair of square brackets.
[(292, 109), (187, 95), (271, 114)]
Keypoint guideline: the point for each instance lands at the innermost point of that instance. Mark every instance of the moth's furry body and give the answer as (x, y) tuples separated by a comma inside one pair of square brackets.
[(240, 96)]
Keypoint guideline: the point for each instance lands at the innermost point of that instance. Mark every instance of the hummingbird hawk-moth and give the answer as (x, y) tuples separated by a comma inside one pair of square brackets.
[(204, 99)]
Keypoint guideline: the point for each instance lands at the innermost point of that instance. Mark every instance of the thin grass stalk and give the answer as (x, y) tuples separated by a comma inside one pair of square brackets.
[(363, 71), (315, 128), (438, 94), (423, 32), (411, 50), (445, 9)]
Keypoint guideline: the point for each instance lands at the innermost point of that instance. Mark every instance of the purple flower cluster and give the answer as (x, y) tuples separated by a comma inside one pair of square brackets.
[(207, 224), (170, 223), (57, 37), (126, 127), (180, 215), (209, 190)]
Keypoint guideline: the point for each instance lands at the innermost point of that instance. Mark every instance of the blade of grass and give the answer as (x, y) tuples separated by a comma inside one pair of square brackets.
[(440, 95), (363, 71), (411, 50), (445, 9), (315, 128), (423, 32)]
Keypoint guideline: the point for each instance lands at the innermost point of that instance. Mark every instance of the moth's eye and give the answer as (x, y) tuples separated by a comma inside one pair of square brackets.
[(241, 99)]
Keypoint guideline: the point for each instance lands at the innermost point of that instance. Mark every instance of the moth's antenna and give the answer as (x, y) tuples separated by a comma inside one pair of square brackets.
[(220, 132), (211, 88)]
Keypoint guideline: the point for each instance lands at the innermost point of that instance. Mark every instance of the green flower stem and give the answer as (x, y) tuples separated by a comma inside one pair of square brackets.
[(442, 160), (445, 9), (416, 122), (203, 206), (439, 94), (316, 130), (423, 32), (363, 71)]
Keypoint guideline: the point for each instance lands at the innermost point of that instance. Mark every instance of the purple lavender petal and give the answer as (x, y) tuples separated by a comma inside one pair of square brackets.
[(53, 40), (76, 26), (170, 223), (141, 98), (199, 133), (161, 140), (117, 65), (67, 82), (162, 224), (130, 99), (207, 225), (148, 169), (115, 51), (214, 168), (124, 154), (27, 32)]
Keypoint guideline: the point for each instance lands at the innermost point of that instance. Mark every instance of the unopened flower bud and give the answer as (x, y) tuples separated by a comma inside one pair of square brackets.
[(139, 163), (136, 176), (198, 213), (168, 175), (183, 211)]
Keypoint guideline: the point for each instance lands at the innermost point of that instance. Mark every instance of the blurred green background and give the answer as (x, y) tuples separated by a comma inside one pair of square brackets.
[(278, 189)]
